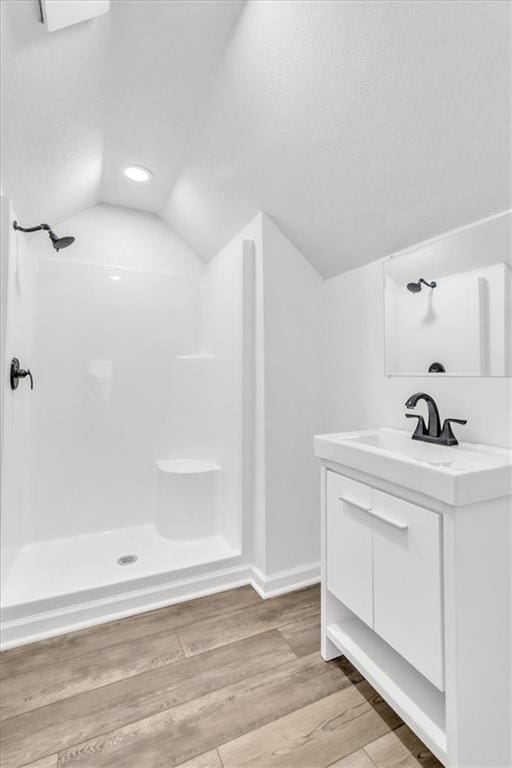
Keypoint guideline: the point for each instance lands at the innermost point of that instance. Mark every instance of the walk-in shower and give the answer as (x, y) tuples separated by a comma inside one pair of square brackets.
[(128, 451)]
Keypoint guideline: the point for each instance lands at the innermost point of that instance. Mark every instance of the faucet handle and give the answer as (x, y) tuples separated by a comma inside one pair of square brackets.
[(447, 433), (421, 427)]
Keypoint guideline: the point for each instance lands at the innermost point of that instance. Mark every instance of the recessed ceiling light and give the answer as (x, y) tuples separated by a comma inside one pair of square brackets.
[(137, 173)]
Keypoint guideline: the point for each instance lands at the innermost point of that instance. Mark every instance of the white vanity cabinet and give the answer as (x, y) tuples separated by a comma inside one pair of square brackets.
[(384, 564), (417, 584)]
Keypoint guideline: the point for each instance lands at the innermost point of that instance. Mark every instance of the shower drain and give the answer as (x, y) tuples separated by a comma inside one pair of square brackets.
[(127, 560)]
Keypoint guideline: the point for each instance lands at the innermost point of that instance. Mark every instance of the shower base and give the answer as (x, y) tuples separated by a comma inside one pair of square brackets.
[(59, 566), (61, 584)]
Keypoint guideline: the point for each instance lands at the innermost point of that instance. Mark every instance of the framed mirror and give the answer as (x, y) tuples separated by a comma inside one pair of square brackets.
[(448, 306)]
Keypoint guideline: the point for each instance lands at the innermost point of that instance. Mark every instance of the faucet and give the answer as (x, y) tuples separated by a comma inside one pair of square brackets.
[(432, 432)]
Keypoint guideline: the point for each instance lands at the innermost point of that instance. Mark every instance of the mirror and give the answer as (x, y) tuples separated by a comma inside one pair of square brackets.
[(448, 311)]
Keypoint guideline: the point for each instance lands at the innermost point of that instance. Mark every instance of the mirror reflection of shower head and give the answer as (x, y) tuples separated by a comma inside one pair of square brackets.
[(416, 287), (57, 242)]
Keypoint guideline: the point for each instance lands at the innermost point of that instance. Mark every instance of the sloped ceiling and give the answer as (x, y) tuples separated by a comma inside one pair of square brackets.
[(359, 127), (52, 138)]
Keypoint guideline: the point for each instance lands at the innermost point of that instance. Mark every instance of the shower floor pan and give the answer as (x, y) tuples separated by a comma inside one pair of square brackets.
[(63, 571)]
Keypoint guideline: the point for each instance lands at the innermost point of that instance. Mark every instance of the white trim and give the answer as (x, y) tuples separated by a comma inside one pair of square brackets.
[(285, 581), (80, 615)]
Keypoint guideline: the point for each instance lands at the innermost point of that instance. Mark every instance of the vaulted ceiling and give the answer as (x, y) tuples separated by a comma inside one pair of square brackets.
[(359, 127)]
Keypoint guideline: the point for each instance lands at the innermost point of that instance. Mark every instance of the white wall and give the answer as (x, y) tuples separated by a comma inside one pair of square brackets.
[(358, 395), (292, 302)]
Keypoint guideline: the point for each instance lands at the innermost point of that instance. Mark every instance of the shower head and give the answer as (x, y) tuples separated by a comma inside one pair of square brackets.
[(60, 242), (416, 287), (57, 242)]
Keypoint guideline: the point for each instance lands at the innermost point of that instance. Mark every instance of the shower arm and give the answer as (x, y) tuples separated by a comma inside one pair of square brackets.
[(45, 227)]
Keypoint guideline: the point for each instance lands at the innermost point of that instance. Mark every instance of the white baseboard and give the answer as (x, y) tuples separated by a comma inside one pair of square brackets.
[(43, 624), (284, 581)]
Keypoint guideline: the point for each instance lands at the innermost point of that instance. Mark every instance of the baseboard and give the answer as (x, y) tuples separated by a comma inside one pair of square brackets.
[(284, 581), (41, 625)]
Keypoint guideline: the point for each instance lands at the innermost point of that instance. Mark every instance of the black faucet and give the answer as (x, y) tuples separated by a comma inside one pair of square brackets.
[(432, 432)]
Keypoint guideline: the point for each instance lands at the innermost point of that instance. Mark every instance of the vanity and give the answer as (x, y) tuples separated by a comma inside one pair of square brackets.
[(416, 583)]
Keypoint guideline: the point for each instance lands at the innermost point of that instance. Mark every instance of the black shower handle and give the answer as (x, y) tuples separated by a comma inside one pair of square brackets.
[(29, 374), (18, 373)]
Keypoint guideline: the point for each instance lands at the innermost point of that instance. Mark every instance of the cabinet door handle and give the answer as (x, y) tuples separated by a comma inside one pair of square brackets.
[(370, 511), (354, 504), (389, 520)]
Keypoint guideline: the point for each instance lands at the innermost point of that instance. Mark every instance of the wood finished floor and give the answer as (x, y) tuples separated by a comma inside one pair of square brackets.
[(225, 681)]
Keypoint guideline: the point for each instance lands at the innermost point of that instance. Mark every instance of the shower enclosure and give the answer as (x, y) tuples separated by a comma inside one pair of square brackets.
[(124, 467)]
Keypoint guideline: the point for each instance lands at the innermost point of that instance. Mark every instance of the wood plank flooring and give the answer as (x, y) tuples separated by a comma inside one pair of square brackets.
[(225, 681)]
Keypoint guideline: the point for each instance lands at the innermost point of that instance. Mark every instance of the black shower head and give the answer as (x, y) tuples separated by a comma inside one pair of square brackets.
[(57, 242), (416, 287), (60, 242)]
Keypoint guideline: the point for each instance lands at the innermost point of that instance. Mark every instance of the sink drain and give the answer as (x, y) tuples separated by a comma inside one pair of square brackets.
[(127, 560)]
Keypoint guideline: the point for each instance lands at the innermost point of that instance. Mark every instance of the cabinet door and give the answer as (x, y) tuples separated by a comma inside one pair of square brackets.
[(407, 582), (349, 544)]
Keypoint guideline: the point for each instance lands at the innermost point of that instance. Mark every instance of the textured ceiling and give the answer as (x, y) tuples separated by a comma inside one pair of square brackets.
[(359, 127), (52, 138)]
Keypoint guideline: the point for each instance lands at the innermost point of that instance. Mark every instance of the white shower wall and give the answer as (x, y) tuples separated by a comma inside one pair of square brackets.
[(18, 284), (112, 397)]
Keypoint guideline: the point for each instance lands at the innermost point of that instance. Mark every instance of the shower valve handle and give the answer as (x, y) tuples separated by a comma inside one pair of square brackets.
[(18, 373)]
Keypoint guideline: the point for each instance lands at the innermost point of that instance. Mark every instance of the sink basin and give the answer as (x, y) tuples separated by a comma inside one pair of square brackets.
[(456, 475)]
